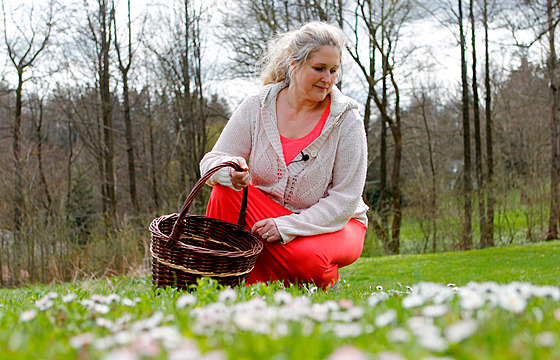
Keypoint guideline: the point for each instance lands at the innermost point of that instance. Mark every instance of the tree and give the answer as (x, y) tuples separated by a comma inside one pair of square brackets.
[(477, 133), (552, 22), (467, 185), (37, 116), (487, 236), (383, 22), (99, 25), (546, 28), (125, 69), (423, 128), (180, 61), (24, 48)]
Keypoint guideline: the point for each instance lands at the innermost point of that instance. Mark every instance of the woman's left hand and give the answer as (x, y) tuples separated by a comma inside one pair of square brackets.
[(267, 230)]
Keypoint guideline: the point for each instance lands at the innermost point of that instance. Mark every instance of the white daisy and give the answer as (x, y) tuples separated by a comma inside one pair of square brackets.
[(69, 297), (348, 352), (412, 301), (546, 339), (375, 299), (351, 330), (28, 315), (282, 297), (470, 299), (128, 302), (124, 337), (227, 295), (188, 350), (170, 336), (213, 355), (104, 343), (399, 335), (435, 310), (433, 342), (512, 301), (104, 323), (557, 314), (461, 330), (185, 300), (101, 308), (121, 354), (386, 318), (81, 340), (45, 302)]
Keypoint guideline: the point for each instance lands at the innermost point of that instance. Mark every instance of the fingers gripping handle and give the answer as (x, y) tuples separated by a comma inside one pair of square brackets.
[(178, 227)]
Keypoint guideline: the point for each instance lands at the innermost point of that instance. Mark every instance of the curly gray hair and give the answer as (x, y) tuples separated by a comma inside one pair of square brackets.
[(296, 47)]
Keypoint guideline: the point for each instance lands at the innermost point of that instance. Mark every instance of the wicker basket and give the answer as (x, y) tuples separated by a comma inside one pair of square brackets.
[(185, 247)]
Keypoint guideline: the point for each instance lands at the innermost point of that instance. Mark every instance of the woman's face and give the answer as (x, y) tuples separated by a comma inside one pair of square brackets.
[(315, 78)]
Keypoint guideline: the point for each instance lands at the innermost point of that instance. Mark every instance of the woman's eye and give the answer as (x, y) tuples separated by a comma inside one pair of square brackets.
[(319, 68), (333, 71)]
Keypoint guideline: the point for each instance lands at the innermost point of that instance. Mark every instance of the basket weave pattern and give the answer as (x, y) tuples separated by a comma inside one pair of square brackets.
[(185, 247)]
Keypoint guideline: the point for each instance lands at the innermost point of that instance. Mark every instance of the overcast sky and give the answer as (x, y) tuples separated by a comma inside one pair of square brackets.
[(437, 53)]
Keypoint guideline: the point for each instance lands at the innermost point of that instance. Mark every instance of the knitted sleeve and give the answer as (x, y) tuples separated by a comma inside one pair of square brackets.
[(234, 141)]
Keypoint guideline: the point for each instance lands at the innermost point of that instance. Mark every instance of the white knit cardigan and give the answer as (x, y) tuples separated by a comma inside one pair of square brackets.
[(325, 191)]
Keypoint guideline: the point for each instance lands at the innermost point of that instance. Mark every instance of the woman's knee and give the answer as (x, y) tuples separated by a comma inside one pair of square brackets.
[(314, 267)]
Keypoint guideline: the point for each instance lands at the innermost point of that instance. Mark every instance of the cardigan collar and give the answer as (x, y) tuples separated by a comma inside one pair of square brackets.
[(339, 105)]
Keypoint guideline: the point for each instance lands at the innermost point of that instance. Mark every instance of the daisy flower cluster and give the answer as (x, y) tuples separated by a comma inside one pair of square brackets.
[(426, 302), (126, 338), (429, 316)]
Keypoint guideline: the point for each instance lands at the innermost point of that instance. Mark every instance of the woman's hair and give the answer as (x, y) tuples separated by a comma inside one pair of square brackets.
[(296, 47)]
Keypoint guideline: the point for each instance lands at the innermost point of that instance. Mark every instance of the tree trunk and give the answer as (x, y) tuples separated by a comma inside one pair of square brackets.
[(433, 192), (154, 172), (39, 133), (198, 111), (489, 184), (394, 245), (477, 136), (124, 69), (467, 186), (18, 189), (554, 208), (107, 115), (130, 146), (383, 168)]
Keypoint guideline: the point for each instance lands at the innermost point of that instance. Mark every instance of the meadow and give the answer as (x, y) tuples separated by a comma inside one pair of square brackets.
[(497, 303)]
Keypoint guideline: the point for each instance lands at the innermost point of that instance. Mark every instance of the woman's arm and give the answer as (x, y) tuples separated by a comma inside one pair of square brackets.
[(234, 144)]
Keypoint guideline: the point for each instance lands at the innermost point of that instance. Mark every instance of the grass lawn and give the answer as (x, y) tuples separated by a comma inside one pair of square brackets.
[(538, 264), (392, 307)]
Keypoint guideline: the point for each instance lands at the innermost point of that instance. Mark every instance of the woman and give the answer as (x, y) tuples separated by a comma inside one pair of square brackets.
[(307, 151)]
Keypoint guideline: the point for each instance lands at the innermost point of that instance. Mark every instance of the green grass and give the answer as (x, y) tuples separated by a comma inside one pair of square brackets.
[(345, 319), (537, 263)]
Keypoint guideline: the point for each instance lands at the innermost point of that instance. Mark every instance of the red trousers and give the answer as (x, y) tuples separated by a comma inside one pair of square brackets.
[(306, 259)]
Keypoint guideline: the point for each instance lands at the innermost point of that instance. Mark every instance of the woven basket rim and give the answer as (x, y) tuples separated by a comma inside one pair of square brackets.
[(154, 229)]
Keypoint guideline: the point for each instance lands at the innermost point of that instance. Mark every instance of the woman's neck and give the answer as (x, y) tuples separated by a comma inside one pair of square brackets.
[(298, 104)]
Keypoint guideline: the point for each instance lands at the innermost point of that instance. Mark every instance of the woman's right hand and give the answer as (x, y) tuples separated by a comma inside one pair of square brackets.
[(240, 179)]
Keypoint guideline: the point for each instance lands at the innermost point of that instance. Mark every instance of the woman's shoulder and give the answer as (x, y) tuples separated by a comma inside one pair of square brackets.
[(341, 104), (249, 103), (259, 98)]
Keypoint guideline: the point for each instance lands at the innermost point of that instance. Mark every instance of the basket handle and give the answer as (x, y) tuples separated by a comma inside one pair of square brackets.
[(178, 227)]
